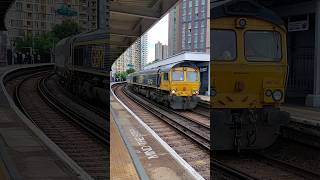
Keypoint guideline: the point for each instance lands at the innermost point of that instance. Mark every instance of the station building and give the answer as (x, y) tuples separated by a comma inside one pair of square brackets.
[(201, 60), (302, 19)]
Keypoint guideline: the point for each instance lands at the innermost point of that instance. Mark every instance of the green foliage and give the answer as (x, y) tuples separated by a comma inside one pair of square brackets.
[(65, 29), (121, 75), (131, 70), (44, 43)]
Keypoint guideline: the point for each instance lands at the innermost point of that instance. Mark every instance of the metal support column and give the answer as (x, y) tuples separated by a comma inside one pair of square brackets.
[(314, 99)]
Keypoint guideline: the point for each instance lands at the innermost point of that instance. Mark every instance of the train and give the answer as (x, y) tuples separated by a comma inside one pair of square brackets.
[(81, 64), (249, 73), (175, 85)]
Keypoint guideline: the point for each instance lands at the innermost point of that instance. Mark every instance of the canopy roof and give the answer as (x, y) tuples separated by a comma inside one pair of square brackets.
[(129, 19)]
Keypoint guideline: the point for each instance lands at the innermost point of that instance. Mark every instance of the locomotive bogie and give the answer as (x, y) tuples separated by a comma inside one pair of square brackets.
[(247, 128)]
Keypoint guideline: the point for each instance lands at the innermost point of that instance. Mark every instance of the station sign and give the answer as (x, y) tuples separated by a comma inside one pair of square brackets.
[(301, 25)]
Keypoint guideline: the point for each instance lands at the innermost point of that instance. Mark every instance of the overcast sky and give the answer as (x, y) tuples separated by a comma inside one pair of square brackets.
[(159, 32)]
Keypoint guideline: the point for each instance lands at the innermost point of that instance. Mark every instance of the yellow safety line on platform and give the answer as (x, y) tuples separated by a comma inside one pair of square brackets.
[(121, 165)]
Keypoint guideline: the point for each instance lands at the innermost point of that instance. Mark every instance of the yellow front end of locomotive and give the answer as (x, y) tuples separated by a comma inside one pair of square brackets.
[(182, 81), (246, 78)]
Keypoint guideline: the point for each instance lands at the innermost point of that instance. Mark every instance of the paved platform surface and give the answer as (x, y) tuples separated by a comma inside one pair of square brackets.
[(303, 114), (151, 159), (23, 154), (204, 98), (121, 164)]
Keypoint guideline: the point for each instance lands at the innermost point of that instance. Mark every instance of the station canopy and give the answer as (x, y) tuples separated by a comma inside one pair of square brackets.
[(129, 19), (4, 6)]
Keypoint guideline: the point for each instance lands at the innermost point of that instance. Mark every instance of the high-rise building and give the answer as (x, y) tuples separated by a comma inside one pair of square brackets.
[(131, 58), (36, 17), (158, 51), (161, 51), (189, 27), (136, 55), (165, 51), (173, 33), (144, 50)]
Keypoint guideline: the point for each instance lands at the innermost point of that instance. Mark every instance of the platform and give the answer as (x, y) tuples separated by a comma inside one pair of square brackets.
[(25, 153), (151, 156), (303, 114), (122, 167), (205, 98)]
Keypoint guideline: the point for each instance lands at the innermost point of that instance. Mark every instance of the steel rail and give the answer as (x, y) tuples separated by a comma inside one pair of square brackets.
[(94, 129)]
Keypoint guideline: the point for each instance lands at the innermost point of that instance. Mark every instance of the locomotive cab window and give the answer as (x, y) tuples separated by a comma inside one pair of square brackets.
[(165, 76), (192, 76), (224, 45), (177, 75), (262, 46)]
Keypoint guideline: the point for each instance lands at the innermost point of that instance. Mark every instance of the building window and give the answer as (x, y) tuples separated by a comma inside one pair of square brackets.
[(196, 3), (19, 6), (196, 12), (19, 15), (36, 7), (190, 3), (195, 38)]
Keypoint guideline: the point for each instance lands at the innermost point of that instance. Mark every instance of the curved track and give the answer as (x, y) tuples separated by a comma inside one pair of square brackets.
[(62, 126), (180, 133), (184, 125)]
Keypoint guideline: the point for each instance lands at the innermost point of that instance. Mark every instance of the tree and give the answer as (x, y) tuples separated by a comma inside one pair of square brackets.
[(65, 29), (42, 44), (131, 70), (121, 75)]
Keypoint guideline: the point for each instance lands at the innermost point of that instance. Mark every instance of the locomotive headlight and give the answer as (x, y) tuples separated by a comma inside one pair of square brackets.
[(173, 92), (277, 95), (268, 93), (195, 92), (242, 22)]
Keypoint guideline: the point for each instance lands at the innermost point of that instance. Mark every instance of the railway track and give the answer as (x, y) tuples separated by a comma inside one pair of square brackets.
[(253, 165), (81, 141), (192, 146), (192, 152), (262, 166)]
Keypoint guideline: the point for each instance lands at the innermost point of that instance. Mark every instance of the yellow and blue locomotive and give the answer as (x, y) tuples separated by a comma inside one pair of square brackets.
[(176, 85), (248, 75)]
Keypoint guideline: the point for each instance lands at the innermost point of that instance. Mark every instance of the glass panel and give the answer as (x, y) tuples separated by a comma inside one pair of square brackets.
[(263, 46), (177, 76), (192, 76), (165, 77), (223, 45)]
